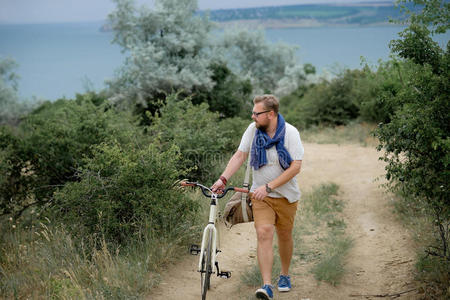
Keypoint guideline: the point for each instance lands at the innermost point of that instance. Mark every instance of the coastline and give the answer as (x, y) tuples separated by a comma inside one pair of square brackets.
[(293, 23)]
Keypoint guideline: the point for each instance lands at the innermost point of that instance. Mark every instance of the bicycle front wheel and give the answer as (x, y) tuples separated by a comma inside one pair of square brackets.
[(206, 266)]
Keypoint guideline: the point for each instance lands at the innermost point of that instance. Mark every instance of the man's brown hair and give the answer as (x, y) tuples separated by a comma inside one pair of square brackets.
[(270, 102)]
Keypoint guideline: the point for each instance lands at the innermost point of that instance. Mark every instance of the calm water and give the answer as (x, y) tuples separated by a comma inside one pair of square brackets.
[(57, 60)]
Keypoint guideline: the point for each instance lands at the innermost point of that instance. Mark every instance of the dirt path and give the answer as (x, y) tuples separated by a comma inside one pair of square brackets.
[(380, 262)]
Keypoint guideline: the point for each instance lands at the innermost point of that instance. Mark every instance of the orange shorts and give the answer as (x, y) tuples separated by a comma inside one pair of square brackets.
[(275, 211)]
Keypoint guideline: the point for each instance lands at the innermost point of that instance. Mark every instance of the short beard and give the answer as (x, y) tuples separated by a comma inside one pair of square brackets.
[(262, 127)]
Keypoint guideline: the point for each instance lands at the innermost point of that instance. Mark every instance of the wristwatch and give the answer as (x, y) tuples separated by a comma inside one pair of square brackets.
[(268, 189)]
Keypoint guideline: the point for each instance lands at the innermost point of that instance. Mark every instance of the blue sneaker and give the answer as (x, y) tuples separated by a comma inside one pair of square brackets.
[(284, 283), (265, 292)]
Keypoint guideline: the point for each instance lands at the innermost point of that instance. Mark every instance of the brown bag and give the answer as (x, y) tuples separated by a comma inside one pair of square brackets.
[(232, 213)]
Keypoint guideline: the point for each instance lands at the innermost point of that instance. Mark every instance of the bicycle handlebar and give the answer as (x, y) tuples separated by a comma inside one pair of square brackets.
[(205, 189)]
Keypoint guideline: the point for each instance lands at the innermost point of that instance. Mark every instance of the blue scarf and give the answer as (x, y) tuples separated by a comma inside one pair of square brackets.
[(262, 141)]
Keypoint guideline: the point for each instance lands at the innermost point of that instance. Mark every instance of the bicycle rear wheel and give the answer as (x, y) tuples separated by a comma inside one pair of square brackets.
[(206, 266)]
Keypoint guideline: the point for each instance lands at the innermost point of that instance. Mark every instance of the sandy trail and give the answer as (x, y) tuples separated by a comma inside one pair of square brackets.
[(380, 262)]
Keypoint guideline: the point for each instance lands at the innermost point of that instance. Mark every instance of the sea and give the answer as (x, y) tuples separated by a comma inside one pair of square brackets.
[(59, 60)]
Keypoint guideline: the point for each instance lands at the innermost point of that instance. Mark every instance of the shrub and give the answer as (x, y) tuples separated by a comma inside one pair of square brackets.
[(44, 152), (229, 96), (416, 142), (361, 95), (120, 187), (233, 129), (328, 103), (196, 131), (377, 87)]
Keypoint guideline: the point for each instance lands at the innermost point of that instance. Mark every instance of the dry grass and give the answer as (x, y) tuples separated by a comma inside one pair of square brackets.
[(354, 133), (45, 262)]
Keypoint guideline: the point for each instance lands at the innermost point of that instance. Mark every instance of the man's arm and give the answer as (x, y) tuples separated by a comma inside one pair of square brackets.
[(287, 175), (233, 165)]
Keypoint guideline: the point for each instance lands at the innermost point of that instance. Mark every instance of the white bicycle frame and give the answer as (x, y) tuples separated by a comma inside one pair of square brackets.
[(211, 227)]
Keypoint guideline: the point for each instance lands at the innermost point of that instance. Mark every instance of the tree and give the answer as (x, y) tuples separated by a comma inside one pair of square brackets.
[(167, 48), (171, 49), (416, 141), (434, 12), (270, 67), (230, 95)]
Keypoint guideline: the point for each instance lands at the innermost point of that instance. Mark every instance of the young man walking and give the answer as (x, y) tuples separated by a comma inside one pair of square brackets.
[(276, 154)]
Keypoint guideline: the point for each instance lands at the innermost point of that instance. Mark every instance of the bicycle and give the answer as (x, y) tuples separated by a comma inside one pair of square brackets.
[(208, 250)]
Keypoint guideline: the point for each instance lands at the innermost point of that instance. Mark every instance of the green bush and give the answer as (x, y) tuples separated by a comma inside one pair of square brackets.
[(361, 95), (198, 134), (230, 96), (377, 87), (233, 129), (47, 147), (120, 187), (327, 103), (416, 141)]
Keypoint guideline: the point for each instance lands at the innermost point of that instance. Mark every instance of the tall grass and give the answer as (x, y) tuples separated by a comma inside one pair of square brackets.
[(45, 262), (432, 271)]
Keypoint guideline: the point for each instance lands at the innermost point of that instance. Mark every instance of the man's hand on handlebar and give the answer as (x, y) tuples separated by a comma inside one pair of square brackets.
[(220, 192), (218, 185)]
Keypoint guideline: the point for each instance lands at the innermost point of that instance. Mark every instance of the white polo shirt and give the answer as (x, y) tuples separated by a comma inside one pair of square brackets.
[(273, 169)]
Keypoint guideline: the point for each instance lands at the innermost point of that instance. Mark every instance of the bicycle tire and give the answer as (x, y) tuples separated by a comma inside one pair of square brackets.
[(206, 267)]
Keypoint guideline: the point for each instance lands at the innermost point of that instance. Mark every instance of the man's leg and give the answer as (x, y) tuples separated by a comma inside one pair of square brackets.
[(264, 233), (285, 247)]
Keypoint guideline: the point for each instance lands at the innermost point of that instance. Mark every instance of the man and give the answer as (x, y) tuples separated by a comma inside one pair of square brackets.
[(276, 154)]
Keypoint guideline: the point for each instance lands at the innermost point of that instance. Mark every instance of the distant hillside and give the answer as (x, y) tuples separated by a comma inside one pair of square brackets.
[(306, 15)]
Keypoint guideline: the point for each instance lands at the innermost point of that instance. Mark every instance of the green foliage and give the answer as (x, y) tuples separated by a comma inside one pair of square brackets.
[(416, 141), (328, 102), (120, 187), (361, 95), (377, 87), (233, 128), (196, 131), (171, 49), (271, 68), (432, 12), (167, 48), (44, 152), (229, 96), (418, 46)]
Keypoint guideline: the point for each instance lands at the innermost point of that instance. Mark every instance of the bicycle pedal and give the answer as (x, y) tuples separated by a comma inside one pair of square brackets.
[(225, 274), (194, 249)]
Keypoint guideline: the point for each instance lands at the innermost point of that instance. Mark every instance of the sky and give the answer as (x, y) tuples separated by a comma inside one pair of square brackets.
[(54, 11)]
